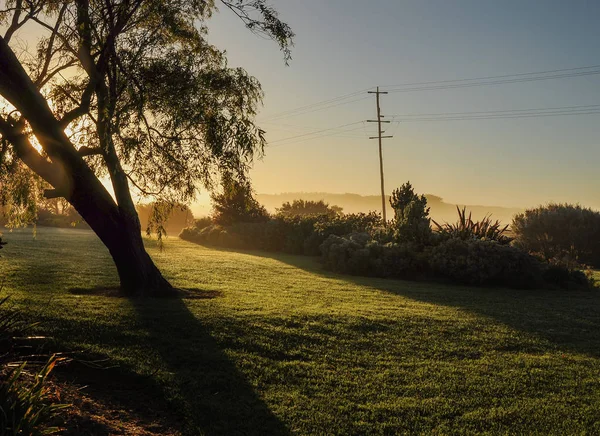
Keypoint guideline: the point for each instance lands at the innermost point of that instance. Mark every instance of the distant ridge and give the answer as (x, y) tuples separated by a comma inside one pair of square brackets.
[(352, 203)]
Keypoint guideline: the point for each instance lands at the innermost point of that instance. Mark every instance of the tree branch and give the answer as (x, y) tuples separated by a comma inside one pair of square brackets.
[(49, 52), (89, 151), (14, 134), (14, 25)]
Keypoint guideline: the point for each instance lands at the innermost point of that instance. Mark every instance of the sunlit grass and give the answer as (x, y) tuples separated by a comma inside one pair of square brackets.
[(289, 348)]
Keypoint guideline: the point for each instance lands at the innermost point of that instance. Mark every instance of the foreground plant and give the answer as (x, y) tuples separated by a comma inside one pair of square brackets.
[(26, 404)]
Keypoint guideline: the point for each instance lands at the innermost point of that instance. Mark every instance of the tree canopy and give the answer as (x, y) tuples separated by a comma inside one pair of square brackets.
[(128, 90), (141, 92)]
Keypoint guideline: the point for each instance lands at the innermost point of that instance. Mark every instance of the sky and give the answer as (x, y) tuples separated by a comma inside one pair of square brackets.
[(346, 46)]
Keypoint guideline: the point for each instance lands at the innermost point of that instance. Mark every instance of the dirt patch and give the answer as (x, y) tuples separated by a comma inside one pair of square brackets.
[(109, 402)]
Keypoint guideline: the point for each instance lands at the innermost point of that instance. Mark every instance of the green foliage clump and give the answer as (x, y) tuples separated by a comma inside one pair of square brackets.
[(307, 208), (480, 262), (358, 254), (560, 232), (560, 275), (411, 222), (465, 228), (462, 261), (236, 203)]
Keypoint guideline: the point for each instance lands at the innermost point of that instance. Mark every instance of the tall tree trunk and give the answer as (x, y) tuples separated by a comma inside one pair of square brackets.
[(73, 179)]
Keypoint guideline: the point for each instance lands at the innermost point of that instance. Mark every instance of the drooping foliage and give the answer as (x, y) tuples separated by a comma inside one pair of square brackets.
[(146, 89), (172, 218)]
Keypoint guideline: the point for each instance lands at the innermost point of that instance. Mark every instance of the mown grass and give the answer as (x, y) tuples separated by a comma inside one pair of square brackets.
[(287, 348)]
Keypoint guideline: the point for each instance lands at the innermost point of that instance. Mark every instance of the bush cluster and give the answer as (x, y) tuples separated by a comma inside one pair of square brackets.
[(462, 261), (289, 234), (466, 252), (358, 254)]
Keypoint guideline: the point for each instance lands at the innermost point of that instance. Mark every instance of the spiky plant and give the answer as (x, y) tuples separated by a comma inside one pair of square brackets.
[(466, 228), (26, 406)]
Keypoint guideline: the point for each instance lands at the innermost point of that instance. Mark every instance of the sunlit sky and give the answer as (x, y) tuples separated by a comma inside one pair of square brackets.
[(344, 46)]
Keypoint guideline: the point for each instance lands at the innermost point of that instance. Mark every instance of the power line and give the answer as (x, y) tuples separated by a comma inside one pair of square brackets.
[(559, 108), (317, 132), (334, 134), (440, 85), (504, 116), (502, 76), (316, 109), (332, 102), (494, 82)]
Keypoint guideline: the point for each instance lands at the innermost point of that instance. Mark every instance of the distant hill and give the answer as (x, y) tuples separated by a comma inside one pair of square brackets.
[(352, 203)]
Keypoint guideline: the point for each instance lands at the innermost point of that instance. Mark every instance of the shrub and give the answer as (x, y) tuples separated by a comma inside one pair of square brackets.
[(466, 228), (358, 254), (560, 231), (307, 208), (480, 262), (201, 223), (411, 221), (563, 277)]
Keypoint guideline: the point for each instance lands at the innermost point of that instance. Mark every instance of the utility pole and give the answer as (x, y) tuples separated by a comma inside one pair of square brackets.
[(380, 137)]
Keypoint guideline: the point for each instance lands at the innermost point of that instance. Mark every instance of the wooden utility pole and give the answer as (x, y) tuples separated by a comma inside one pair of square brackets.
[(380, 137)]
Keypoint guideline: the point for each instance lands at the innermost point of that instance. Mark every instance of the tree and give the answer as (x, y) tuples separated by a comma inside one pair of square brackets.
[(308, 208), (411, 222), (236, 203), (132, 91)]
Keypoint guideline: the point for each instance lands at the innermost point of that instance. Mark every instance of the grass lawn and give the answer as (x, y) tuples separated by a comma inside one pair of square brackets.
[(283, 347)]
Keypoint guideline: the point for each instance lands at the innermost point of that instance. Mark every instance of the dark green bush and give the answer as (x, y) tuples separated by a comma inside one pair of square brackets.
[(560, 275), (358, 254), (560, 232), (480, 262)]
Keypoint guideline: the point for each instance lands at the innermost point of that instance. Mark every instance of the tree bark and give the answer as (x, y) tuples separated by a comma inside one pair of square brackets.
[(70, 174)]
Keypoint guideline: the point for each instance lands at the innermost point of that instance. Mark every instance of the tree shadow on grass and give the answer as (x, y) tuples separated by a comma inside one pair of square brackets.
[(565, 319), (207, 388), (194, 381)]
